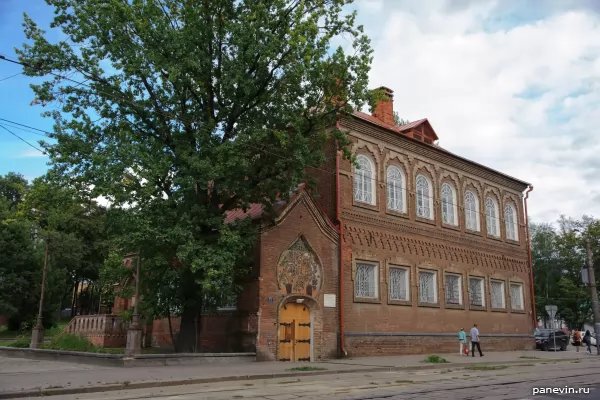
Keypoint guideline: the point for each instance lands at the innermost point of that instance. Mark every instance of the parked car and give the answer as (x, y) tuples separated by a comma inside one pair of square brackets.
[(545, 339)]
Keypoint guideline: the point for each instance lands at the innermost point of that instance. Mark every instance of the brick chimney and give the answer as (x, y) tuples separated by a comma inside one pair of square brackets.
[(384, 109)]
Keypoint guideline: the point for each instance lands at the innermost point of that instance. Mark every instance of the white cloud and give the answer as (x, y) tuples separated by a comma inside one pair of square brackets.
[(521, 100), (30, 154)]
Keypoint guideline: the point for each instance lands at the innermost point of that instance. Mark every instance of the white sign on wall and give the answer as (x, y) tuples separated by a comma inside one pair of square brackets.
[(329, 300)]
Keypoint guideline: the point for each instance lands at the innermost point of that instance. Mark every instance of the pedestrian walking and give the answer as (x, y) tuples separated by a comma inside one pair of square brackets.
[(475, 340), (587, 339), (462, 340), (577, 339)]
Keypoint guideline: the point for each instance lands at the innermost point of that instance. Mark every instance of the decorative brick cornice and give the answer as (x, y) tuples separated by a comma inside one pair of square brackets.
[(429, 152), (480, 248)]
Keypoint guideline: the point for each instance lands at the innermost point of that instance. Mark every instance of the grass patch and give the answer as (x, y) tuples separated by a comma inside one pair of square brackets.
[(404, 382), (526, 365), (433, 359), (486, 367), (530, 357), (288, 382), (19, 343), (307, 368)]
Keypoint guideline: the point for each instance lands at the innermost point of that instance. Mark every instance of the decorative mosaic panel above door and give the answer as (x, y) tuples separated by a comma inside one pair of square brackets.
[(298, 270)]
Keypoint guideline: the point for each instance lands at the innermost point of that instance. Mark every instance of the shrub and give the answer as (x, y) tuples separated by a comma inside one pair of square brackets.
[(71, 343), (435, 359)]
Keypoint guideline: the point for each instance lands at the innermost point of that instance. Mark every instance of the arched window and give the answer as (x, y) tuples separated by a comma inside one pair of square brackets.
[(510, 219), (424, 198), (491, 217), (471, 211), (449, 205), (395, 189), (364, 180)]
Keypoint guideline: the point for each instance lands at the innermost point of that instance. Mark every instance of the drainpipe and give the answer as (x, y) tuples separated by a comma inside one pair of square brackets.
[(341, 255), (535, 323)]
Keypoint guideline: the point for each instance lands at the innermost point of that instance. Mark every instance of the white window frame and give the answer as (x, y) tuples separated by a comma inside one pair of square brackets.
[(375, 283), (481, 287), (364, 182), (521, 296), (472, 213), (435, 291), (492, 222), (399, 192), (406, 283), (510, 223), (503, 293), (426, 199), (450, 204), (460, 294)]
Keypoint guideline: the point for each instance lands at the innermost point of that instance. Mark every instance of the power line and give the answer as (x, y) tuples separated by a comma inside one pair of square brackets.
[(11, 76), (45, 133), (23, 140)]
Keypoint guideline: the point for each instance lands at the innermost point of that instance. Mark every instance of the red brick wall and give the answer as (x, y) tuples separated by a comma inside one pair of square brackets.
[(217, 333), (325, 193), (372, 234), (273, 242)]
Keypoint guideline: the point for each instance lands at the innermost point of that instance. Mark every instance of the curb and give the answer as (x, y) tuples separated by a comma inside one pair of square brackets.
[(197, 381)]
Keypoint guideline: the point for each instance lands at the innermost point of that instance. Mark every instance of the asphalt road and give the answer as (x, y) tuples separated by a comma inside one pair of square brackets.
[(510, 382)]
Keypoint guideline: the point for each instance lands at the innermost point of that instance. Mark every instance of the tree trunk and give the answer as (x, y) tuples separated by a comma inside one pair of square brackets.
[(192, 307), (173, 342), (187, 340), (74, 299)]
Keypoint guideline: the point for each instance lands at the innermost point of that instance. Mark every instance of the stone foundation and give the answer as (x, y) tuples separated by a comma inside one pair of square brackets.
[(364, 345)]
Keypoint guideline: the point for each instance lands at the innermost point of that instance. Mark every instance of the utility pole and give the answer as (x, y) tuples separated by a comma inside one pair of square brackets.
[(37, 335), (592, 283), (134, 333)]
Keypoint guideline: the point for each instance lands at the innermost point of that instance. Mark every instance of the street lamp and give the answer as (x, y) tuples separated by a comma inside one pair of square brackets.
[(590, 277), (37, 334)]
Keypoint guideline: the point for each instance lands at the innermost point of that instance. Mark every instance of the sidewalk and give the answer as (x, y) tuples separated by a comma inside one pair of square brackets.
[(25, 377)]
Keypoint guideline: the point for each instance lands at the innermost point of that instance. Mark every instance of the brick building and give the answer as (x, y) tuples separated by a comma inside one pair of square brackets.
[(430, 243), (393, 257)]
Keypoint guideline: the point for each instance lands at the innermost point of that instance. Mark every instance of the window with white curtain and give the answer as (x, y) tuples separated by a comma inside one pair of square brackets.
[(395, 189), (449, 206), (476, 292), (516, 296), (497, 294), (453, 289), (427, 287), (491, 217), (510, 220), (364, 180), (399, 284), (471, 211), (424, 197), (366, 281)]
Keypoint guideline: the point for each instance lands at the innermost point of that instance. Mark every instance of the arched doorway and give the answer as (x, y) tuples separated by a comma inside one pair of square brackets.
[(295, 332)]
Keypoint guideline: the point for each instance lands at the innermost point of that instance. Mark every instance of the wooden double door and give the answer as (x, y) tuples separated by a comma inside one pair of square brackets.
[(294, 333)]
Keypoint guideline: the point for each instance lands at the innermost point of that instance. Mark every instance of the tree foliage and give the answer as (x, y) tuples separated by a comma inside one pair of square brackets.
[(190, 109), (558, 255), (399, 121)]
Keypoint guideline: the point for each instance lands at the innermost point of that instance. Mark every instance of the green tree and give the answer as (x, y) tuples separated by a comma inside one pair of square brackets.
[(76, 227), (207, 106), (399, 121), (558, 256), (13, 187)]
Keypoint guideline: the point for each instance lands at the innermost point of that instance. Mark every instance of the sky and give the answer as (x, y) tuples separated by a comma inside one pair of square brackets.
[(511, 84)]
